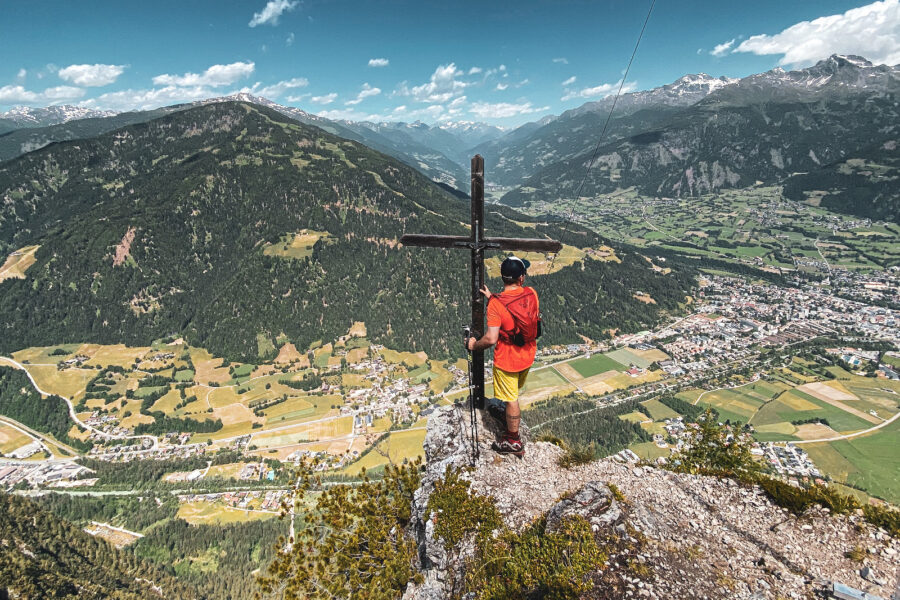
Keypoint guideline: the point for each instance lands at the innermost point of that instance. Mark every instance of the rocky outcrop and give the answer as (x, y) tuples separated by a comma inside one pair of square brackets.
[(667, 535)]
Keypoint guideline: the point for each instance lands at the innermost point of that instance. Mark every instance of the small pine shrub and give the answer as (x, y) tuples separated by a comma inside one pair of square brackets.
[(578, 455), (536, 564)]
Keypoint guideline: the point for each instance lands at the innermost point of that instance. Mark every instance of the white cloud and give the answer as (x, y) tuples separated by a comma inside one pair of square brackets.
[(20, 76), (379, 62), (350, 114), (17, 94), (366, 92), (146, 99), (276, 89), (290, 39), (475, 70), (326, 99), (503, 110), (570, 80), (442, 87), (272, 11), (872, 31), (501, 68), (723, 48), (91, 75), (502, 86), (215, 76), (297, 98), (564, 61), (599, 91)]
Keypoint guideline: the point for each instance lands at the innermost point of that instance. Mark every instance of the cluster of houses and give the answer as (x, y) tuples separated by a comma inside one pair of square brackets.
[(42, 474), (264, 500), (788, 461)]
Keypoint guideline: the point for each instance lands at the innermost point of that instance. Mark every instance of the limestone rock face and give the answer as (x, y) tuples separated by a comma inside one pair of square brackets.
[(671, 535)]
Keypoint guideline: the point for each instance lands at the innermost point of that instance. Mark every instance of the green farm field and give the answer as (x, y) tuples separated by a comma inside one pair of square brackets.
[(599, 363), (659, 411), (869, 462)]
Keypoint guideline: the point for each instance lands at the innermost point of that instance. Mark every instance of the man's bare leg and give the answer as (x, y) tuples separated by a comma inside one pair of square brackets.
[(513, 416)]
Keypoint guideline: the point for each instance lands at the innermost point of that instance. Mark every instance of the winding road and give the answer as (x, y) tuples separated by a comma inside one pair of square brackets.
[(72, 412)]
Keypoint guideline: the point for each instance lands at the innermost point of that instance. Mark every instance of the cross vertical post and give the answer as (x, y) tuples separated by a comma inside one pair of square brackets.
[(477, 210), (477, 243)]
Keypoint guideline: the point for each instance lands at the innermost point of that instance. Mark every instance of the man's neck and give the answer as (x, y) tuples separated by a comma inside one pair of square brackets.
[(511, 287)]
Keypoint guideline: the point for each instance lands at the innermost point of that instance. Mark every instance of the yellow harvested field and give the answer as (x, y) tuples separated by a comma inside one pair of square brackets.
[(68, 383), (621, 380), (296, 405), (783, 428), (653, 354), (227, 471), (569, 372), (645, 298), (358, 329), (11, 438), (815, 431), (796, 402), (295, 245), (118, 354), (356, 380), (597, 388), (357, 354), (541, 263), (208, 513), (289, 353), (233, 414), (166, 404), (311, 432), (136, 418), (78, 433), (415, 359), (399, 445), (283, 452), (17, 263), (208, 368), (832, 390)]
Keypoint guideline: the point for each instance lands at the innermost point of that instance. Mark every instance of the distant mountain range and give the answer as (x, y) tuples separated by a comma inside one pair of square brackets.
[(695, 135), (763, 128)]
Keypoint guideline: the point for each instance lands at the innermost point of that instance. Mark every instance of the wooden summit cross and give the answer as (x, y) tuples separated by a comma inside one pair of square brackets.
[(477, 243)]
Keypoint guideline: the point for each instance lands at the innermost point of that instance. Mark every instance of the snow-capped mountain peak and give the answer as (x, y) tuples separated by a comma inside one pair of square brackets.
[(24, 116)]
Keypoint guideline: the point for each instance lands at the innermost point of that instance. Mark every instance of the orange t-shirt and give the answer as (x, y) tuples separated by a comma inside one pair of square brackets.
[(508, 356)]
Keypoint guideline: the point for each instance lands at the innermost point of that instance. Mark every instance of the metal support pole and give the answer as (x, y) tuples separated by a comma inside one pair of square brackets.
[(478, 276)]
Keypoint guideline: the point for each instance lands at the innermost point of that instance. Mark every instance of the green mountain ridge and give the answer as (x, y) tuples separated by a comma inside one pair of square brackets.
[(162, 228)]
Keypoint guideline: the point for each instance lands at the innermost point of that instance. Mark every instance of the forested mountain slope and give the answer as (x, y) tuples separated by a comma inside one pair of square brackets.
[(242, 229), (866, 184), (42, 556), (764, 128)]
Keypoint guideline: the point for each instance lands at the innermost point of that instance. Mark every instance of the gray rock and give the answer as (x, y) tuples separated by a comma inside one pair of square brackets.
[(594, 503)]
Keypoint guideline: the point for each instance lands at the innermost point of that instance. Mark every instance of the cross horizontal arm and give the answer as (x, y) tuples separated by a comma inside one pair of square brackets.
[(455, 241)]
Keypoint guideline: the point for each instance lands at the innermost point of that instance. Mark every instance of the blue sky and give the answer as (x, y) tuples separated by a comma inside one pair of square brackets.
[(501, 62)]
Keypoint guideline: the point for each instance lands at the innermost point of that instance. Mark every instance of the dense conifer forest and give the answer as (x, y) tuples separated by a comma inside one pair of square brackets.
[(169, 227), (44, 556)]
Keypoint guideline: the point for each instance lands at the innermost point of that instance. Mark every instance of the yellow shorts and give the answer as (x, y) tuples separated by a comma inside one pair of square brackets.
[(507, 385)]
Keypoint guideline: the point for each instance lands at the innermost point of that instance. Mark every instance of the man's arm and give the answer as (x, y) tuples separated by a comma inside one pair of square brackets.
[(487, 340)]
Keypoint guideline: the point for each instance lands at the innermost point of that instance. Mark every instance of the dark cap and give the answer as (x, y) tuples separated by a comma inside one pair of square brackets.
[(514, 267)]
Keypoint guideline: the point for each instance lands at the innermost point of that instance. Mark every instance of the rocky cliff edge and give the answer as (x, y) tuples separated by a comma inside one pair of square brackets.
[(676, 535)]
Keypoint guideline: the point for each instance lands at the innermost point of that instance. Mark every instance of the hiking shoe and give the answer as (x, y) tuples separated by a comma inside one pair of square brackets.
[(509, 446)]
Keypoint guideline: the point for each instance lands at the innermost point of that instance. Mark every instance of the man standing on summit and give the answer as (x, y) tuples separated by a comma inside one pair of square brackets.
[(513, 324)]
